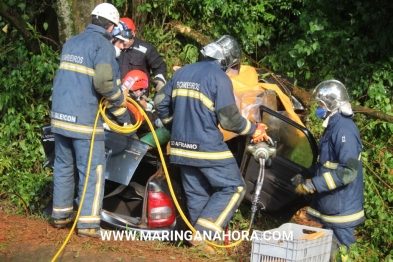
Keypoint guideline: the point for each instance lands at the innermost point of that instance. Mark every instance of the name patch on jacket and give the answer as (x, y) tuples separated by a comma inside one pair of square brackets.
[(63, 117), (72, 58), (188, 85), (184, 145), (141, 48)]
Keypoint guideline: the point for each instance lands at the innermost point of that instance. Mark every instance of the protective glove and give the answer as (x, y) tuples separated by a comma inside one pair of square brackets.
[(158, 83), (303, 186), (158, 123), (150, 106), (124, 103), (260, 133)]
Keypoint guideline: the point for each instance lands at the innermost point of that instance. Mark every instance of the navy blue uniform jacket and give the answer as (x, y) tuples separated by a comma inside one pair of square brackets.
[(339, 201), (87, 72), (198, 97)]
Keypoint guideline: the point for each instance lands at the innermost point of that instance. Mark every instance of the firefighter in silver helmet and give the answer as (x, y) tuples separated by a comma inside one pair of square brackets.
[(337, 182), (191, 105)]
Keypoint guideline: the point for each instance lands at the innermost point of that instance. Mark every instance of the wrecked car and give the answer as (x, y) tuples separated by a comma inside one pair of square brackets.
[(137, 196)]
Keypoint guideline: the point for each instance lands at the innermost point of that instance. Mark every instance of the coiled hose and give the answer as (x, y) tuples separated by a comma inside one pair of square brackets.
[(139, 114)]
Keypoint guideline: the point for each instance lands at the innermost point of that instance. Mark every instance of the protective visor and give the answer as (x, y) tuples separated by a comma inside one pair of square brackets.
[(125, 35)]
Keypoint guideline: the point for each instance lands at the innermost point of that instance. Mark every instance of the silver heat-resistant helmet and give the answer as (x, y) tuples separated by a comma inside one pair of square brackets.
[(331, 93), (226, 50)]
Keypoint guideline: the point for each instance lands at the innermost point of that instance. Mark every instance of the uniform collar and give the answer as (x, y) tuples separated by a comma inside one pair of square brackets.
[(98, 29), (212, 60), (135, 44), (332, 119)]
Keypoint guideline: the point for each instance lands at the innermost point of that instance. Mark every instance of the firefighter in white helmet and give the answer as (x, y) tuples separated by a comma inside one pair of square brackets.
[(85, 75)]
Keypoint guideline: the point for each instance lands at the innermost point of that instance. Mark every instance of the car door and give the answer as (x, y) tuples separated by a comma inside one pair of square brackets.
[(296, 151)]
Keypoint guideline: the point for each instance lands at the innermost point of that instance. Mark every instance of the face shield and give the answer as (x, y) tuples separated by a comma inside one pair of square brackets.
[(226, 50), (122, 32), (125, 35)]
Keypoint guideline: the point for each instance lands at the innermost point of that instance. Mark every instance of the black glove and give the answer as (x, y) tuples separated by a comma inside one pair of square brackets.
[(303, 186), (158, 83)]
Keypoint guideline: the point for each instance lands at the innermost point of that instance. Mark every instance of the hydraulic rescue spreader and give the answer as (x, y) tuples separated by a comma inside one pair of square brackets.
[(262, 152)]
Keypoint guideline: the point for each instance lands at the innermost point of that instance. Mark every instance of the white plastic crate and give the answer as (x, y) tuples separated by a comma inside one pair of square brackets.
[(277, 244)]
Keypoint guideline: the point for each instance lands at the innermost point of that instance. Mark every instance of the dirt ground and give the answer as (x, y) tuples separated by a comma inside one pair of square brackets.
[(33, 239)]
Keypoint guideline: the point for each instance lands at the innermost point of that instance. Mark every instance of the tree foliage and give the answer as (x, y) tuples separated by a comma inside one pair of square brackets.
[(308, 40)]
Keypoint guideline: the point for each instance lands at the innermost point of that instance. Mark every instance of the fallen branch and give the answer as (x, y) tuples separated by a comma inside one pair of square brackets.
[(302, 95), (189, 32)]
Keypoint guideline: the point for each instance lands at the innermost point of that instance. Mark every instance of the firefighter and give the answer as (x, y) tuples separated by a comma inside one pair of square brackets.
[(120, 36), (85, 75), (191, 105), (139, 85), (141, 55), (337, 181)]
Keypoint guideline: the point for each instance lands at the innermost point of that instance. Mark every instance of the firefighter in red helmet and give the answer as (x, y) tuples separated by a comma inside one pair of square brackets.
[(141, 55), (139, 82)]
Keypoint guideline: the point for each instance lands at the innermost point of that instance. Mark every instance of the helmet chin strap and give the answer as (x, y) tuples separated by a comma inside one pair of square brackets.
[(327, 117)]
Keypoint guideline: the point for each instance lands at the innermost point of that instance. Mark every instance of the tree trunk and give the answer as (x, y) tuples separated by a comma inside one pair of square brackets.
[(139, 18), (301, 94), (20, 24), (74, 16)]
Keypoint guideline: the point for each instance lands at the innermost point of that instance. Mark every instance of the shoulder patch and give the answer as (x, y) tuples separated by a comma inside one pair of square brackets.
[(343, 139), (141, 49)]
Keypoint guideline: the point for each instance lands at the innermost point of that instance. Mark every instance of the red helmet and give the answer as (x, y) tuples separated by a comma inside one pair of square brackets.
[(129, 23), (140, 78)]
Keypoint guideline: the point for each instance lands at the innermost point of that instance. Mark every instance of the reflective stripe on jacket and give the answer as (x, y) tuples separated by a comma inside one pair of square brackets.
[(339, 202), (195, 98), (76, 96)]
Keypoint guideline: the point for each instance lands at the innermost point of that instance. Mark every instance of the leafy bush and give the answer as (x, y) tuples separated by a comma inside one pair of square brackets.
[(25, 88), (308, 40)]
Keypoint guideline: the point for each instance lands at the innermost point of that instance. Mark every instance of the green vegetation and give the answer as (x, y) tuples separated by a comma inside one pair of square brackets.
[(308, 40)]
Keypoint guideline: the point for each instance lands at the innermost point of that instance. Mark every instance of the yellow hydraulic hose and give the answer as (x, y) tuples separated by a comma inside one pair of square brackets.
[(170, 184), (126, 130), (113, 126), (84, 191)]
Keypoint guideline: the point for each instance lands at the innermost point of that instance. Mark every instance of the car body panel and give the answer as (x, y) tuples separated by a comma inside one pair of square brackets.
[(124, 156), (296, 151), (133, 171)]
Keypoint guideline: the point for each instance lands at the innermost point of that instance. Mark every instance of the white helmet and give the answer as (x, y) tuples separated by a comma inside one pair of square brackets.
[(107, 11)]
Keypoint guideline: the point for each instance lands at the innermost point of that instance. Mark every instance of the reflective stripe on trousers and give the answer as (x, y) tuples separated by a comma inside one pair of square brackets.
[(72, 152), (213, 195)]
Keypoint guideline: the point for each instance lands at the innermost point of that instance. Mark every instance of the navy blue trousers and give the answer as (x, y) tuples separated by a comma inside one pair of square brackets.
[(213, 195), (71, 153), (344, 236)]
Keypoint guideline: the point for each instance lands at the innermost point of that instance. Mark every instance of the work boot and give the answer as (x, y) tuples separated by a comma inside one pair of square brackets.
[(64, 222), (90, 232), (200, 243)]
